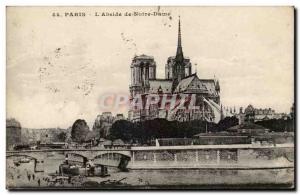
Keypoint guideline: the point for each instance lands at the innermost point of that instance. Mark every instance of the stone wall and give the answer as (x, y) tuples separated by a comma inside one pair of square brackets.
[(263, 157)]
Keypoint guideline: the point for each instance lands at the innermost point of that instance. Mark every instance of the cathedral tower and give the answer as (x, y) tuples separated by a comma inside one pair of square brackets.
[(143, 69)]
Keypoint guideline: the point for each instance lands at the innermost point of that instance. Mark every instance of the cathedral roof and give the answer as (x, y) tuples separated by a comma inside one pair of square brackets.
[(184, 83), (209, 84), (206, 85), (162, 85)]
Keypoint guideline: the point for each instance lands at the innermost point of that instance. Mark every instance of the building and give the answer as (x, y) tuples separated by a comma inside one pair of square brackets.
[(119, 117), (104, 122), (178, 80), (252, 114), (13, 133)]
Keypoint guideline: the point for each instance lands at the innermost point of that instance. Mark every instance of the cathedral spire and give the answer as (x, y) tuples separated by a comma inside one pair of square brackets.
[(179, 33), (178, 67), (179, 53)]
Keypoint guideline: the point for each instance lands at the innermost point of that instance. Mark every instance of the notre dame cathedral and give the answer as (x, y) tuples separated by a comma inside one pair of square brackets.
[(179, 79)]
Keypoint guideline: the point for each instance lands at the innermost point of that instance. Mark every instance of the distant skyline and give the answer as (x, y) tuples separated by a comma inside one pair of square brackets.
[(59, 67)]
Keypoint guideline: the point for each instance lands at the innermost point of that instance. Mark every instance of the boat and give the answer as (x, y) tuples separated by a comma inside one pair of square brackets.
[(75, 170), (66, 169)]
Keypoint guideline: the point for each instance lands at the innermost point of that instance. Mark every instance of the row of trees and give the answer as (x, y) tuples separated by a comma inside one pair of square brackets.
[(147, 130), (143, 132), (278, 125)]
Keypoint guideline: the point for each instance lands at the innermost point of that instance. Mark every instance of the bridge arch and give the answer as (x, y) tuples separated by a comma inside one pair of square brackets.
[(67, 154), (110, 156), (113, 159), (104, 152), (21, 155), (72, 157)]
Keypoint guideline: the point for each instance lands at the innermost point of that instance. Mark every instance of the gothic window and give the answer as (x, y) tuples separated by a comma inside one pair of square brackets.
[(133, 76)]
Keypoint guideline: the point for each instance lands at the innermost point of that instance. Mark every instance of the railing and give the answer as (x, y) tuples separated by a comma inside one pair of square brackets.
[(203, 141)]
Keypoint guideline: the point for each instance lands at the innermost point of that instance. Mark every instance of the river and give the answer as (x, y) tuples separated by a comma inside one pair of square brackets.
[(20, 177)]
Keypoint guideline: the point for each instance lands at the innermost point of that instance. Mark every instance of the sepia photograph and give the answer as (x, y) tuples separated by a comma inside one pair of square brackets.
[(150, 98)]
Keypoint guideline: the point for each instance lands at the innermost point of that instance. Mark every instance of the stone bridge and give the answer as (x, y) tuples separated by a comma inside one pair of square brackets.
[(108, 157), (168, 156), (87, 153), (92, 154)]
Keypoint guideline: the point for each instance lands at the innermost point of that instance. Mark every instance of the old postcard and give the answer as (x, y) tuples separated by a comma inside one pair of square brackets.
[(150, 98)]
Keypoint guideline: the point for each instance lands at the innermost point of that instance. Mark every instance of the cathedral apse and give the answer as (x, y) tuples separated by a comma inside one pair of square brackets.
[(179, 81)]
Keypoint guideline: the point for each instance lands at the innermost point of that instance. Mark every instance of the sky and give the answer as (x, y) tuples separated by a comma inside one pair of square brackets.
[(59, 67)]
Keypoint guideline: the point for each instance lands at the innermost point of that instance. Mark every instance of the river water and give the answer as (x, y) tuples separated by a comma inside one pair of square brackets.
[(23, 176)]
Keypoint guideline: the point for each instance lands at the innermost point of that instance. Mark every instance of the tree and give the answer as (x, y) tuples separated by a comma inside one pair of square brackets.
[(145, 131), (227, 122), (123, 130), (79, 131), (62, 136), (278, 125)]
